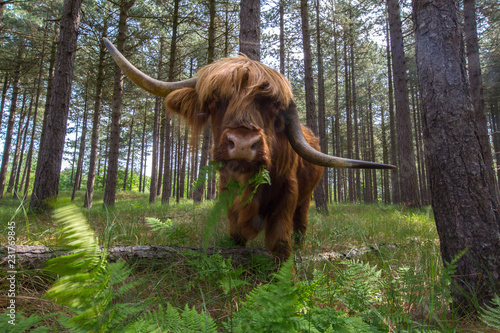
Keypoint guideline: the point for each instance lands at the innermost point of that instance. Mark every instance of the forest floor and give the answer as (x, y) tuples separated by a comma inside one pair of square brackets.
[(397, 247)]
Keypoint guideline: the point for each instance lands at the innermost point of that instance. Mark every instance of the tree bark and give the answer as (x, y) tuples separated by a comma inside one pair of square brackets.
[(114, 141), (96, 122), (4, 95), (396, 193), (33, 257), (46, 183), (81, 150), (250, 28), (407, 167), (321, 192), (167, 186), (465, 210), (311, 115), (155, 184), (476, 82), (129, 150), (19, 140), (10, 123)]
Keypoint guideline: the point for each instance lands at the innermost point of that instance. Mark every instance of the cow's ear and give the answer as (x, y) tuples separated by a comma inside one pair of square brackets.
[(185, 103)]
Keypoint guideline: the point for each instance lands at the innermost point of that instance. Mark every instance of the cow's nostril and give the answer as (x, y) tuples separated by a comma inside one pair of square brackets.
[(230, 144), (255, 146)]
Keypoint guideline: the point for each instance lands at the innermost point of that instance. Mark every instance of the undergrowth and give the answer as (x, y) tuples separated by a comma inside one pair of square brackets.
[(391, 278)]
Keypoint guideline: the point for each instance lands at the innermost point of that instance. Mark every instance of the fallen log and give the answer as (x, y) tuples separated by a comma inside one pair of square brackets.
[(34, 256)]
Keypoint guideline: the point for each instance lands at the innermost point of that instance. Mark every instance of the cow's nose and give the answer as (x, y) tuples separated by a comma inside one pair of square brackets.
[(243, 146)]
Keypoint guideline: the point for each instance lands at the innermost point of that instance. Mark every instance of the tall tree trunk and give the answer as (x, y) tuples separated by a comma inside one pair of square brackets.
[(321, 201), (75, 147), (163, 125), (23, 146), (4, 95), (407, 167), (338, 144), (50, 83), (205, 151), (129, 150), (495, 116), (19, 137), (465, 210), (167, 185), (46, 183), (155, 181), (10, 123), (385, 154), (114, 142), (81, 150), (350, 172), (476, 82), (96, 122), (211, 31), (27, 167), (396, 193), (282, 36), (311, 115), (143, 143), (357, 172), (182, 172), (372, 144), (250, 28)]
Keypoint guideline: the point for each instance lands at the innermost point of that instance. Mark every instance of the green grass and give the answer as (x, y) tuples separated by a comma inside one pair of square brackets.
[(400, 261)]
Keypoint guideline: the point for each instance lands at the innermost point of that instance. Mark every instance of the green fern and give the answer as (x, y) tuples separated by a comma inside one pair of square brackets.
[(359, 286), (175, 321), (23, 324), (285, 306), (175, 233), (87, 285), (90, 288), (490, 315), (226, 197), (217, 269)]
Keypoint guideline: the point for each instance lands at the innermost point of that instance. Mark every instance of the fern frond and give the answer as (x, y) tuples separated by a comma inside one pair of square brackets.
[(173, 320), (275, 307), (87, 284), (491, 315), (22, 324), (359, 286)]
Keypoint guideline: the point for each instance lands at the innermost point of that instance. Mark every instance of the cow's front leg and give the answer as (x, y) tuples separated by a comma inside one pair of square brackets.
[(244, 221), (279, 222)]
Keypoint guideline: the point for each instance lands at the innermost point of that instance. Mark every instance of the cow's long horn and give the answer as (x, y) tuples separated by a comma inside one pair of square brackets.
[(301, 146), (156, 87)]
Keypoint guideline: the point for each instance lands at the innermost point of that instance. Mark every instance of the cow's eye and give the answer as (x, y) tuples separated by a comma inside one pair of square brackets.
[(277, 105), (217, 103)]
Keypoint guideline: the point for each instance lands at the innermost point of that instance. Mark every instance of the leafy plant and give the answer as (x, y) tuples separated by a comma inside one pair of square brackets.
[(174, 232), (216, 268), (87, 284), (91, 289), (23, 324), (226, 197), (173, 320), (285, 306), (491, 315)]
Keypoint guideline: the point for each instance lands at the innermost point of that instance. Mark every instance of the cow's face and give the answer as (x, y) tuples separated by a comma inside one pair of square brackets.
[(244, 104), (245, 127)]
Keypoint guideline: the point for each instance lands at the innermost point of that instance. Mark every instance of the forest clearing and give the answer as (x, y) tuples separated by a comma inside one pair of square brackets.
[(388, 275), (250, 165)]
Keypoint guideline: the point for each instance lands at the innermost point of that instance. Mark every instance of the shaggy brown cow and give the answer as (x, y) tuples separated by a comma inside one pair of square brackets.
[(254, 122)]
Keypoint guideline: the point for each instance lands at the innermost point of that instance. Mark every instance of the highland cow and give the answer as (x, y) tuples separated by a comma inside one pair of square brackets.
[(254, 123)]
